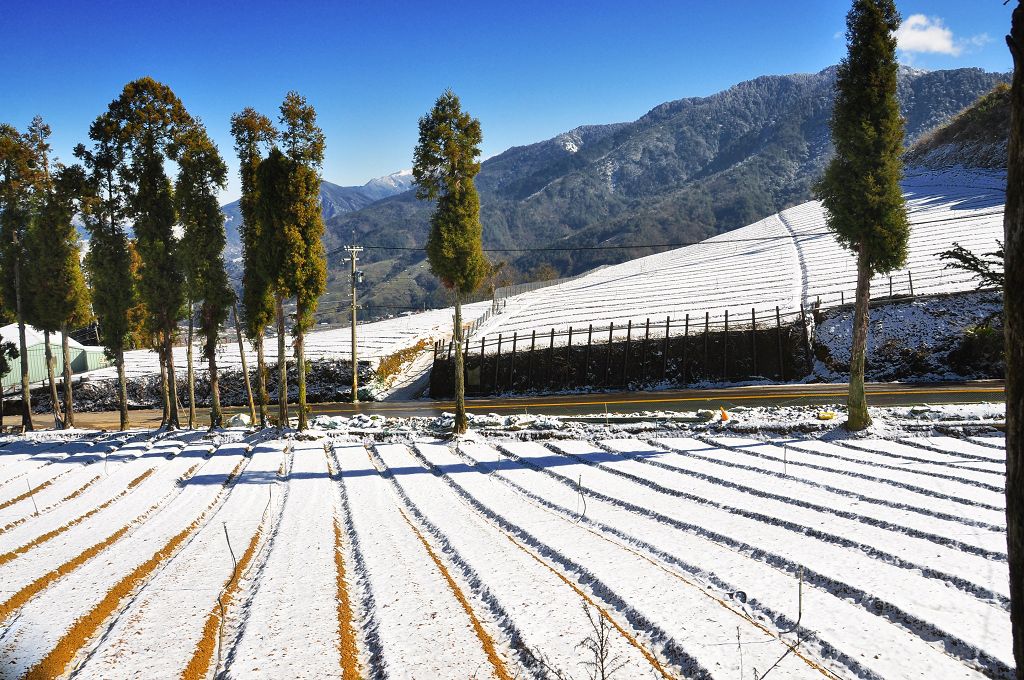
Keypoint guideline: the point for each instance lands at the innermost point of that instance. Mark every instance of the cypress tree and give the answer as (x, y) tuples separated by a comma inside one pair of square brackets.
[(861, 187), (1013, 304), (24, 179), (253, 134), (306, 269), (60, 297), (109, 259), (202, 174), (278, 232), (151, 119), (444, 165)]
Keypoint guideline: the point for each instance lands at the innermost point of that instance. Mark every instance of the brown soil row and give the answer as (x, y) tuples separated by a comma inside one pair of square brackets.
[(198, 667), (630, 638), (13, 554), (55, 663), (348, 647), (71, 496), (31, 492), (485, 639), (703, 591)]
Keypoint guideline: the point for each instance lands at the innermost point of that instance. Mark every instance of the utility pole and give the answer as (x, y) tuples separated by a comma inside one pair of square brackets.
[(356, 278)]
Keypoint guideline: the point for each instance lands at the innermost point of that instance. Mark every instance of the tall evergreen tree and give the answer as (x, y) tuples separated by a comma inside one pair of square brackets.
[(108, 261), (254, 133), (278, 231), (23, 183), (60, 297), (152, 117), (444, 165), (861, 186), (1013, 318), (306, 268), (203, 173)]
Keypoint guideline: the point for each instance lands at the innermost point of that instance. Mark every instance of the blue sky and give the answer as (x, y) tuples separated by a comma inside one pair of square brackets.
[(527, 69)]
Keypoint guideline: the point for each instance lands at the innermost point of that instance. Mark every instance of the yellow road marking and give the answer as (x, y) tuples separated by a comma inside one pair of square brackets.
[(470, 406)]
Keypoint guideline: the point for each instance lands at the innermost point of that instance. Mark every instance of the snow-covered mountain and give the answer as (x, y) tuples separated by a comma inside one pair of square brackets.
[(334, 200)]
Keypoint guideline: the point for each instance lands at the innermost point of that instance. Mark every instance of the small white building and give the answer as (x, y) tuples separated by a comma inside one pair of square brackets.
[(83, 357)]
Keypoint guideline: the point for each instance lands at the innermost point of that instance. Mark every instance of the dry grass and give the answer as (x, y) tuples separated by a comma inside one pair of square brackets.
[(75, 494), (392, 363), (485, 639), (7, 557)]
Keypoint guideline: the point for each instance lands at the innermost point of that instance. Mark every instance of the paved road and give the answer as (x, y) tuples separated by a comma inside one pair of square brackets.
[(879, 394)]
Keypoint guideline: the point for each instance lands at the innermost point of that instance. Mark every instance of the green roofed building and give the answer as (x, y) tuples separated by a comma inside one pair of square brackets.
[(83, 357)]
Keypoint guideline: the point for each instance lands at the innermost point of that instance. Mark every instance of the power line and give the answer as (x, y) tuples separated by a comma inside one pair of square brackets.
[(680, 244)]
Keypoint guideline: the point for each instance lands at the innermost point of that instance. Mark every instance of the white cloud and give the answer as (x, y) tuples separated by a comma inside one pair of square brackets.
[(921, 33)]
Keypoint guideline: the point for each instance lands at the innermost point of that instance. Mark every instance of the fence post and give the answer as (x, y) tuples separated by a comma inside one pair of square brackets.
[(625, 357), (778, 338), (890, 286), (910, 278), (568, 359), (482, 340), (608, 354), (643, 352), (586, 366), (842, 298), (551, 357), (807, 339), (753, 340), (664, 352), (533, 348), (686, 345), (707, 364), (725, 349), (497, 367), (450, 343), (512, 366)]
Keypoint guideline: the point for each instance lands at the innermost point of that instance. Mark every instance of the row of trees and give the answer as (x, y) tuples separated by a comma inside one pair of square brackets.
[(156, 242)]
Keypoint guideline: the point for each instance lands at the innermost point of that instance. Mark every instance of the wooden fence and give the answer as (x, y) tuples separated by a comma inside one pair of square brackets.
[(679, 351)]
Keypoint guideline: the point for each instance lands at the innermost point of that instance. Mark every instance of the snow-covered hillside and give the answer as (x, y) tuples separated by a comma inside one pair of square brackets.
[(784, 260)]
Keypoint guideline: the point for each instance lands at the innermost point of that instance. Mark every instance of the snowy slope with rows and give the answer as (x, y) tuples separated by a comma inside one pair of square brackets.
[(784, 260), (693, 554)]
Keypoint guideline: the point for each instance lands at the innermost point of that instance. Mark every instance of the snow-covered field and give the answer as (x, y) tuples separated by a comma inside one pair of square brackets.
[(784, 260), (375, 340), (692, 551)]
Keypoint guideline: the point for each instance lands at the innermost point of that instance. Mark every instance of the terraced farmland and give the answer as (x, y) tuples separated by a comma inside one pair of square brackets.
[(180, 555)]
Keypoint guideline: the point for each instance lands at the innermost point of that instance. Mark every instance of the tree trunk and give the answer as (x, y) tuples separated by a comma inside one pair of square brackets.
[(26, 393), (856, 402), (164, 393), (173, 421), (1013, 318), (216, 418), (51, 378), (461, 424), (300, 359), (122, 389), (261, 381), (282, 366), (69, 403), (245, 368), (191, 369)]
